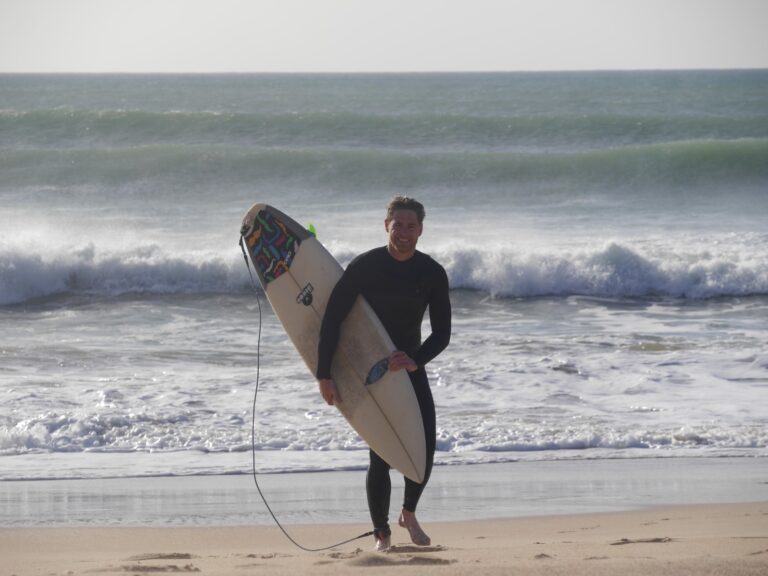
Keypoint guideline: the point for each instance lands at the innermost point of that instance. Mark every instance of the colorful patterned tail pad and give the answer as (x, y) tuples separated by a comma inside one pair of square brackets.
[(272, 246)]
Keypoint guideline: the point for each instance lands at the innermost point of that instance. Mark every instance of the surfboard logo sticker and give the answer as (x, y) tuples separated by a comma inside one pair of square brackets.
[(377, 371), (272, 246), (305, 296)]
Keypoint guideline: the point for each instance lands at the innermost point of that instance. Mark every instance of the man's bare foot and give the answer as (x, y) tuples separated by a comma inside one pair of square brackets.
[(409, 522), (383, 543)]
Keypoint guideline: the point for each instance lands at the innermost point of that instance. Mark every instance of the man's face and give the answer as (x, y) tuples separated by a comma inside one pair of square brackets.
[(404, 231)]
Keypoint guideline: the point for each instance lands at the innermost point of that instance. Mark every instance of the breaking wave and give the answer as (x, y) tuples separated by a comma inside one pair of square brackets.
[(613, 270)]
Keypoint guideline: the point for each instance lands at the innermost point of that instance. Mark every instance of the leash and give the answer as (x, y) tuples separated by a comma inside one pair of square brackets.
[(253, 427)]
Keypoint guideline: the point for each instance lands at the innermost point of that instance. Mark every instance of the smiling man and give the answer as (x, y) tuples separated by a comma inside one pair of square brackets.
[(399, 283)]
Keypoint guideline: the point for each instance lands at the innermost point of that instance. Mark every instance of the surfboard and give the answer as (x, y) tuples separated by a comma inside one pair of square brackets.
[(298, 274)]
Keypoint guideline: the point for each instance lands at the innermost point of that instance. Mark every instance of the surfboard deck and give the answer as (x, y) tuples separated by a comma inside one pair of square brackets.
[(298, 274)]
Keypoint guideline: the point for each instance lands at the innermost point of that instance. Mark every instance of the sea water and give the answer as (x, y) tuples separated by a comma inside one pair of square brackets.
[(605, 236)]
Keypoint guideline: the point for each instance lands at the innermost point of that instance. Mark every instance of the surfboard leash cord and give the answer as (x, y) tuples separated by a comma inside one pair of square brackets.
[(253, 426)]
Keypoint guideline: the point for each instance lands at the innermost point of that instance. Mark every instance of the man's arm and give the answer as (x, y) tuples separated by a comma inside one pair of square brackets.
[(439, 319), (339, 304)]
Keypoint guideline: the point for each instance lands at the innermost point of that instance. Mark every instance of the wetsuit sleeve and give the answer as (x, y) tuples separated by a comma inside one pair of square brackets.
[(339, 304), (439, 319)]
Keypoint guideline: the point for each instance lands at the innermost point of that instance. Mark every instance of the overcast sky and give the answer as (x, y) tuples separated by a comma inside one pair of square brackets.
[(379, 35)]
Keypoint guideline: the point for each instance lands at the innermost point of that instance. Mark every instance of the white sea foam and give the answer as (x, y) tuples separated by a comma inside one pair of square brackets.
[(733, 266), (736, 267), (544, 378)]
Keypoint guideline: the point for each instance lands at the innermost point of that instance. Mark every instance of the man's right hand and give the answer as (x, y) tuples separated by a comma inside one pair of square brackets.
[(328, 391)]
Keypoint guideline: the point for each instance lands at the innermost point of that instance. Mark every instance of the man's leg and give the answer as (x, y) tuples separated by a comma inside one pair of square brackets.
[(414, 490), (378, 487)]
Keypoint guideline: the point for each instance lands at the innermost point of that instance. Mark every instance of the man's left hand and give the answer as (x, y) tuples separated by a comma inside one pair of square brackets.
[(399, 360)]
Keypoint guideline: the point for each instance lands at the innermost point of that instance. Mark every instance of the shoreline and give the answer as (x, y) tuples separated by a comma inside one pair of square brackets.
[(701, 539), (455, 493)]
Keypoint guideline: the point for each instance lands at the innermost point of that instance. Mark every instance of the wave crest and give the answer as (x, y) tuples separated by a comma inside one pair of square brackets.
[(149, 269), (612, 270)]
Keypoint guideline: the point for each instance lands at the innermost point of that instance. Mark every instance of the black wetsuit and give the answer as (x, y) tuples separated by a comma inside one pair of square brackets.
[(399, 293)]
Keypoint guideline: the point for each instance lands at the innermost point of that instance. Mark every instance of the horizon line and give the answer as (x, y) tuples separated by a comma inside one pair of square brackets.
[(370, 72)]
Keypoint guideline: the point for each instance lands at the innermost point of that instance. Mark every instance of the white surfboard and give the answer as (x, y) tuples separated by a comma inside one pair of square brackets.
[(298, 274)]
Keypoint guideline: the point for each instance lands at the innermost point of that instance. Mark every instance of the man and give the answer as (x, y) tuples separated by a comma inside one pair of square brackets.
[(399, 283)]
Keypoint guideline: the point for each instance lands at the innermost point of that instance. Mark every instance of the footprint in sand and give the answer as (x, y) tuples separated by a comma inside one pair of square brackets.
[(156, 556), (149, 569), (389, 559), (408, 549), (623, 541), (269, 556), (157, 568), (345, 555)]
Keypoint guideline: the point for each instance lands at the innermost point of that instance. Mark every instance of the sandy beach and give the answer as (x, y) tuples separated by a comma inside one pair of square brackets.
[(644, 516), (709, 539)]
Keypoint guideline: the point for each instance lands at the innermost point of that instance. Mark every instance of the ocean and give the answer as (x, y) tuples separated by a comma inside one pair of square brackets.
[(605, 236)]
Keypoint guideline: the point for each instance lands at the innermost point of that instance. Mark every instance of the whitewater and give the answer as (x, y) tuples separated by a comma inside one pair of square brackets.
[(604, 236)]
